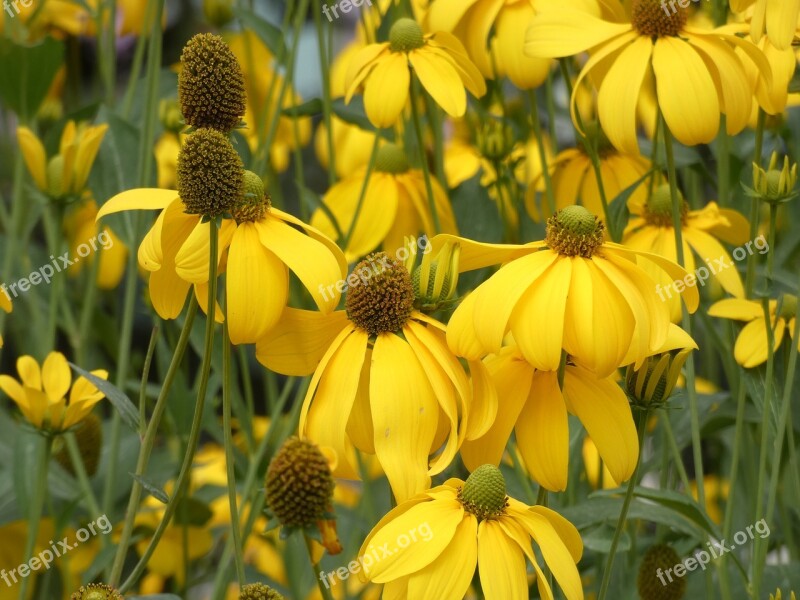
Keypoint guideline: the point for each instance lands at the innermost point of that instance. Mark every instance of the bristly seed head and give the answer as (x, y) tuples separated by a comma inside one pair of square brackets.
[(211, 84), (392, 159), (210, 174), (657, 560), (406, 35), (484, 493), (383, 298), (254, 202), (259, 591), (574, 231), (656, 18), (96, 591), (658, 210)]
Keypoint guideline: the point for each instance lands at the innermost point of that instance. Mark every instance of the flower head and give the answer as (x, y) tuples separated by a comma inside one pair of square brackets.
[(650, 581), (96, 591), (383, 304), (460, 526), (210, 84), (41, 393), (259, 591), (774, 185), (65, 174), (439, 61), (435, 280)]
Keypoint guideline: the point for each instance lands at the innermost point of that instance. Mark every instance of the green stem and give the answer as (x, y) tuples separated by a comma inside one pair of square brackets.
[(641, 425), (723, 164), (83, 477), (537, 132), (363, 194), (676, 453), (36, 507), (87, 310), (229, 458), (686, 322), (326, 91), (426, 172), (749, 281), (149, 439), (197, 421), (323, 590)]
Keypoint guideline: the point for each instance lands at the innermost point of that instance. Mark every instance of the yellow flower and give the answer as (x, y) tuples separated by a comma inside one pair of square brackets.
[(505, 22), (574, 181), (693, 73), (651, 230), (81, 228), (778, 18), (64, 174), (395, 205), (716, 492), (592, 463), (571, 291), (58, 18), (41, 393), (261, 244), (384, 380), (536, 409), (5, 304), (752, 344), (439, 61), (454, 528)]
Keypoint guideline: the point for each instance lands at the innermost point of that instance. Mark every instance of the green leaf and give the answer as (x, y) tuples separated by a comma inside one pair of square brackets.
[(121, 402), (26, 73), (353, 112), (270, 34), (309, 108), (192, 512), (154, 490), (599, 539), (618, 212)]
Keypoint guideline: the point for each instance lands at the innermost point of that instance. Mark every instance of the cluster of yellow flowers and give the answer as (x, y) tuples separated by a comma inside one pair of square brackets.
[(469, 369)]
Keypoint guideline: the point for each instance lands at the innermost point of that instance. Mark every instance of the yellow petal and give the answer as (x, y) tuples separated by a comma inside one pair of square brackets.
[(85, 391), (457, 54), (315, 266), (738, 309), (56, 376), (88, 147), (29, 372), (442, 517), (782, 22), (440, 78), (603, 408), (461, 330), (567, 31), (501, 564), (299, 340), (34, 155), (360, 67), (511, 26), (619, 94), (404, 414), (386, 90), (751, 345), (711, 252), (449, 576), (137, 199), (191, 261), (483, 409), (566, 531), (13, 390), (543, 432), (316, 234), (257, 286), (686, 92), (444, 15)]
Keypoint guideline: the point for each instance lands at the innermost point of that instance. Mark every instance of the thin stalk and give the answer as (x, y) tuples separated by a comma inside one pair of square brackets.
[(426, 172), (686, 322), (87, 310), (326, 91), (723, 164), (749, 281), (323, 590), (676, 453), (83, 477), (36, 507), (229, 458), (537, 132), (363, 194), (149, 439), (641, 425)]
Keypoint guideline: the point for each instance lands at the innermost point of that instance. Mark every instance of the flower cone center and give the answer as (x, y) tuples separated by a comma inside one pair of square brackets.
[(406, 35), (658, 210), (254, 202), (391, 158), (655, 18), (210, 174), (382, 299), (484, 492), (574, 231)]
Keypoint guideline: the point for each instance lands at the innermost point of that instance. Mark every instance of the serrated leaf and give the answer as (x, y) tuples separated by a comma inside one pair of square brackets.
[(154, 490), (121, 402)]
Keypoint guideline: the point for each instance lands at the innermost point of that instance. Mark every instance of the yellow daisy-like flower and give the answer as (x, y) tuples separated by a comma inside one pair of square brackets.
[(81, 227), (571, 291), (574, 181), (651, 52), (493, 34), (651, 230), (778, 18), (41, 393), (384, 380), (439, 61), (64, 174), (439, 537), (58, 18), (395, 205), (5, 304), (536, 409), (751, 347), (260, 244)]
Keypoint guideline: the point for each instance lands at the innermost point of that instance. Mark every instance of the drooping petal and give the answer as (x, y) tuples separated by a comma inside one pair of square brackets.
[(603, 408), (461, 331), (257, 285), (712, 252), (85, 391), (34, 155), (404, 415), (386, 90), (736, 308), (13, 390), (566, 31), (782, 22), (484, 406), (191, 261), (137, 199), (360, 67), (501, 564), (441, 80), (751, 345), (299, 340)]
